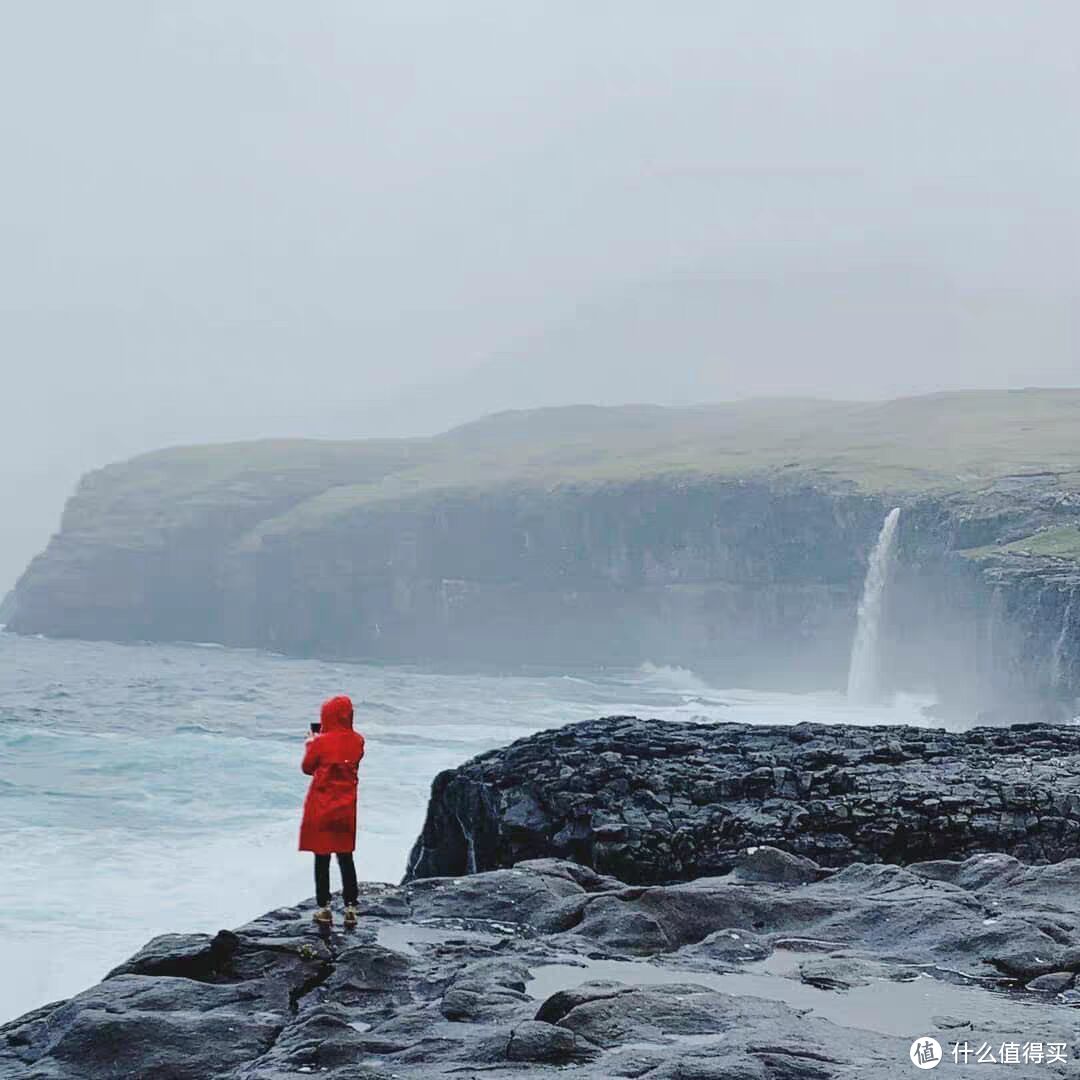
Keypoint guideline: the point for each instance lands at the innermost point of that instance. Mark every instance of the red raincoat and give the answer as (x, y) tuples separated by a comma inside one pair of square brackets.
[(331, 760)]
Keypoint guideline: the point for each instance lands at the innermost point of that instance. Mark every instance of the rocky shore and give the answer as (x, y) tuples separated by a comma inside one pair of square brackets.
[(740, 962), (779, 969), (653, 802)]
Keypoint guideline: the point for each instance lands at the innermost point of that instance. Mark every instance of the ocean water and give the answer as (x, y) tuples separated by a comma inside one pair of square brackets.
[(147, 789)]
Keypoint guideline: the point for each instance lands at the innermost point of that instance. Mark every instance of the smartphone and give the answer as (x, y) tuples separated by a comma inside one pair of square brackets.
[(316, 727)]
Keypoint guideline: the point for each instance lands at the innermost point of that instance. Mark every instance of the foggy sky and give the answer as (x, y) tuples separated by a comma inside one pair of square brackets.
[(223, 220)]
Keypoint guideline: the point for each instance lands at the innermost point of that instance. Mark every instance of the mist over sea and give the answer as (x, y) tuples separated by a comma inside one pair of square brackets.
[(148, 789)]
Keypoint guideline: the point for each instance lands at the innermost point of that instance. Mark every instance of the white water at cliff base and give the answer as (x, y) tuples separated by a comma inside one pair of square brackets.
[(149, 789), (864, 674)]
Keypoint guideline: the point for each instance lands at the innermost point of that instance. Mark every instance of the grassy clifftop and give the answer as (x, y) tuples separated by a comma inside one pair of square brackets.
[(729, 535), (906, 446), (1054, 542)]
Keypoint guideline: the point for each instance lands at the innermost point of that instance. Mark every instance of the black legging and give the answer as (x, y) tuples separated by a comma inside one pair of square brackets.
[(345, 863)]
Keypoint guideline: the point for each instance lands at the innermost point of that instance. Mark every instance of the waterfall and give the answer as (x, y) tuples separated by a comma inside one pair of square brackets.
[(1058, 659), (864, 675)]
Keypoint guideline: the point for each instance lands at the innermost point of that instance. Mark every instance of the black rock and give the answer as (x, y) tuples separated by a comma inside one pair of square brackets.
[(191, 956), (1055, 983), (535, 1040), (651, 802), (488, 975)]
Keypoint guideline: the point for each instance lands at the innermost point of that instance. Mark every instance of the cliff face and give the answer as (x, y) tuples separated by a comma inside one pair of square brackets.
[(739, 578), (987, 596), (732, 540), (140, 550), (734, 577)]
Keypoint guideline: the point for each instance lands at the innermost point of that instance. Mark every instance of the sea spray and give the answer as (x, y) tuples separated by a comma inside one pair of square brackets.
[(864, 674)]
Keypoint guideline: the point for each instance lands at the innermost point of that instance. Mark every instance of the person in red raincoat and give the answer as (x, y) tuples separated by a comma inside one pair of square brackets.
[(331, 759)]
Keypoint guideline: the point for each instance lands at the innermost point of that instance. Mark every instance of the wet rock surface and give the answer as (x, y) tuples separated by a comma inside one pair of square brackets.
[(651, 802), (778, 969)]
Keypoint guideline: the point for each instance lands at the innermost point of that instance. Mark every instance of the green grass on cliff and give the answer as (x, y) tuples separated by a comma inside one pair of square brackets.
[(1062, 542), (909, 445)]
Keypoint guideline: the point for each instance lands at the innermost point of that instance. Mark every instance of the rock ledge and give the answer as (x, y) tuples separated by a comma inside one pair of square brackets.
[(779, 970), (651, 801)]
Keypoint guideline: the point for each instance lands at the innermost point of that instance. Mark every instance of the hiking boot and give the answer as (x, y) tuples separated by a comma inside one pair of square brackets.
[(323, 917), (350, 915)]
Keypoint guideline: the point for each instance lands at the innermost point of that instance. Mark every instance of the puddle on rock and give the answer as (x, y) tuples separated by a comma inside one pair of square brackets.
[(905, 1009), (404, 937)]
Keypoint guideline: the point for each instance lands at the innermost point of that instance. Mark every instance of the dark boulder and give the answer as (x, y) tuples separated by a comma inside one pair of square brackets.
[(651, 802), (189, 956), (537, 1041)]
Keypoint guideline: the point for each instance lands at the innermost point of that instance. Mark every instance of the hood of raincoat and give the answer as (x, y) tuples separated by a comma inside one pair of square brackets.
[(337, 714)]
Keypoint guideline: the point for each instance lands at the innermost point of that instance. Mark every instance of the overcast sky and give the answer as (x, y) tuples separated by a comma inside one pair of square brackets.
[(223, 219)]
